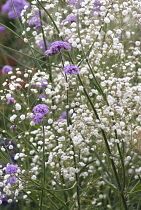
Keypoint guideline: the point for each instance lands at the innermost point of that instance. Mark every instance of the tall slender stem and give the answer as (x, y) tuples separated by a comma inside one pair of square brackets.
[(43, 167), (74, 158)]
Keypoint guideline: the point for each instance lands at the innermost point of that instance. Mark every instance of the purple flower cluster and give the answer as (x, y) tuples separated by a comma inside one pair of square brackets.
[(97, 6), (2, 28), (71, 69), (14, 7), (64, 116), (38, 117), (13, 127), (10, 169), (42, 45), (35, 21), (42, 84), (42, 96), (3, 198), (6, 69), (40, 110), (74, 2), (10, 100), (12, 180), (69, 19), (57, 46)]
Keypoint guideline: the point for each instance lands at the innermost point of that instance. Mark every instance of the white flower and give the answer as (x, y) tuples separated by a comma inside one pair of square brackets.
[(17, 106), (50, 121), (13, 117), (33, 177), (22, 117)]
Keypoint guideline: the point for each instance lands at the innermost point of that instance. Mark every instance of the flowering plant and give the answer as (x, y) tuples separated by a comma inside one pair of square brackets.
[(74, 98)]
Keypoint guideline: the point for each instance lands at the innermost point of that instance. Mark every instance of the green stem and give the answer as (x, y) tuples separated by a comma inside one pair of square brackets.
[(43, 167), (122, 161), (74, 158), (43, 153)]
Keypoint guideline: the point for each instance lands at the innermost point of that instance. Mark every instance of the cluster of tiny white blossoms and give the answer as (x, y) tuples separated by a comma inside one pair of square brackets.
[(104, 99)]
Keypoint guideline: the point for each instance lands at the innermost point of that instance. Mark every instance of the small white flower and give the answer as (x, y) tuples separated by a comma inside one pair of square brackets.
[(22, 117), (106, 20), (50, 121), (9, 200), (17, 106), (25, 40), (33, 177), (13, 117)]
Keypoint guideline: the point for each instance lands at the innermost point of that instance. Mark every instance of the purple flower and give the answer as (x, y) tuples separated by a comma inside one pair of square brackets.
[(71, 69), (35, 21), (10, 100), (42, 96), (74, 2), (38, 117), (10, 169), (3, 198), (12, 180), (42, 84), (64, 116), (14, 7), (41, 108), (57, 46), (42, 45), (6, 69), (2, 28), (13, 127), (97, 6), (70, 18)]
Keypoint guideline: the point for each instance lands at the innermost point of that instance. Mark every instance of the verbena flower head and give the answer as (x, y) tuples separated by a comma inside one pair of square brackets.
[(97, 6), (63, 117), (10, 169), (41, 108), (42, 96), (42, 84), (4, 198), (6, 69), (42, 45), (35, 21), (57, 46), (38, 117), (14, 7), (69, 19), (2, 28), (74, 2), (12, 180), (13, 127), (10, 100), (71, 69)]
